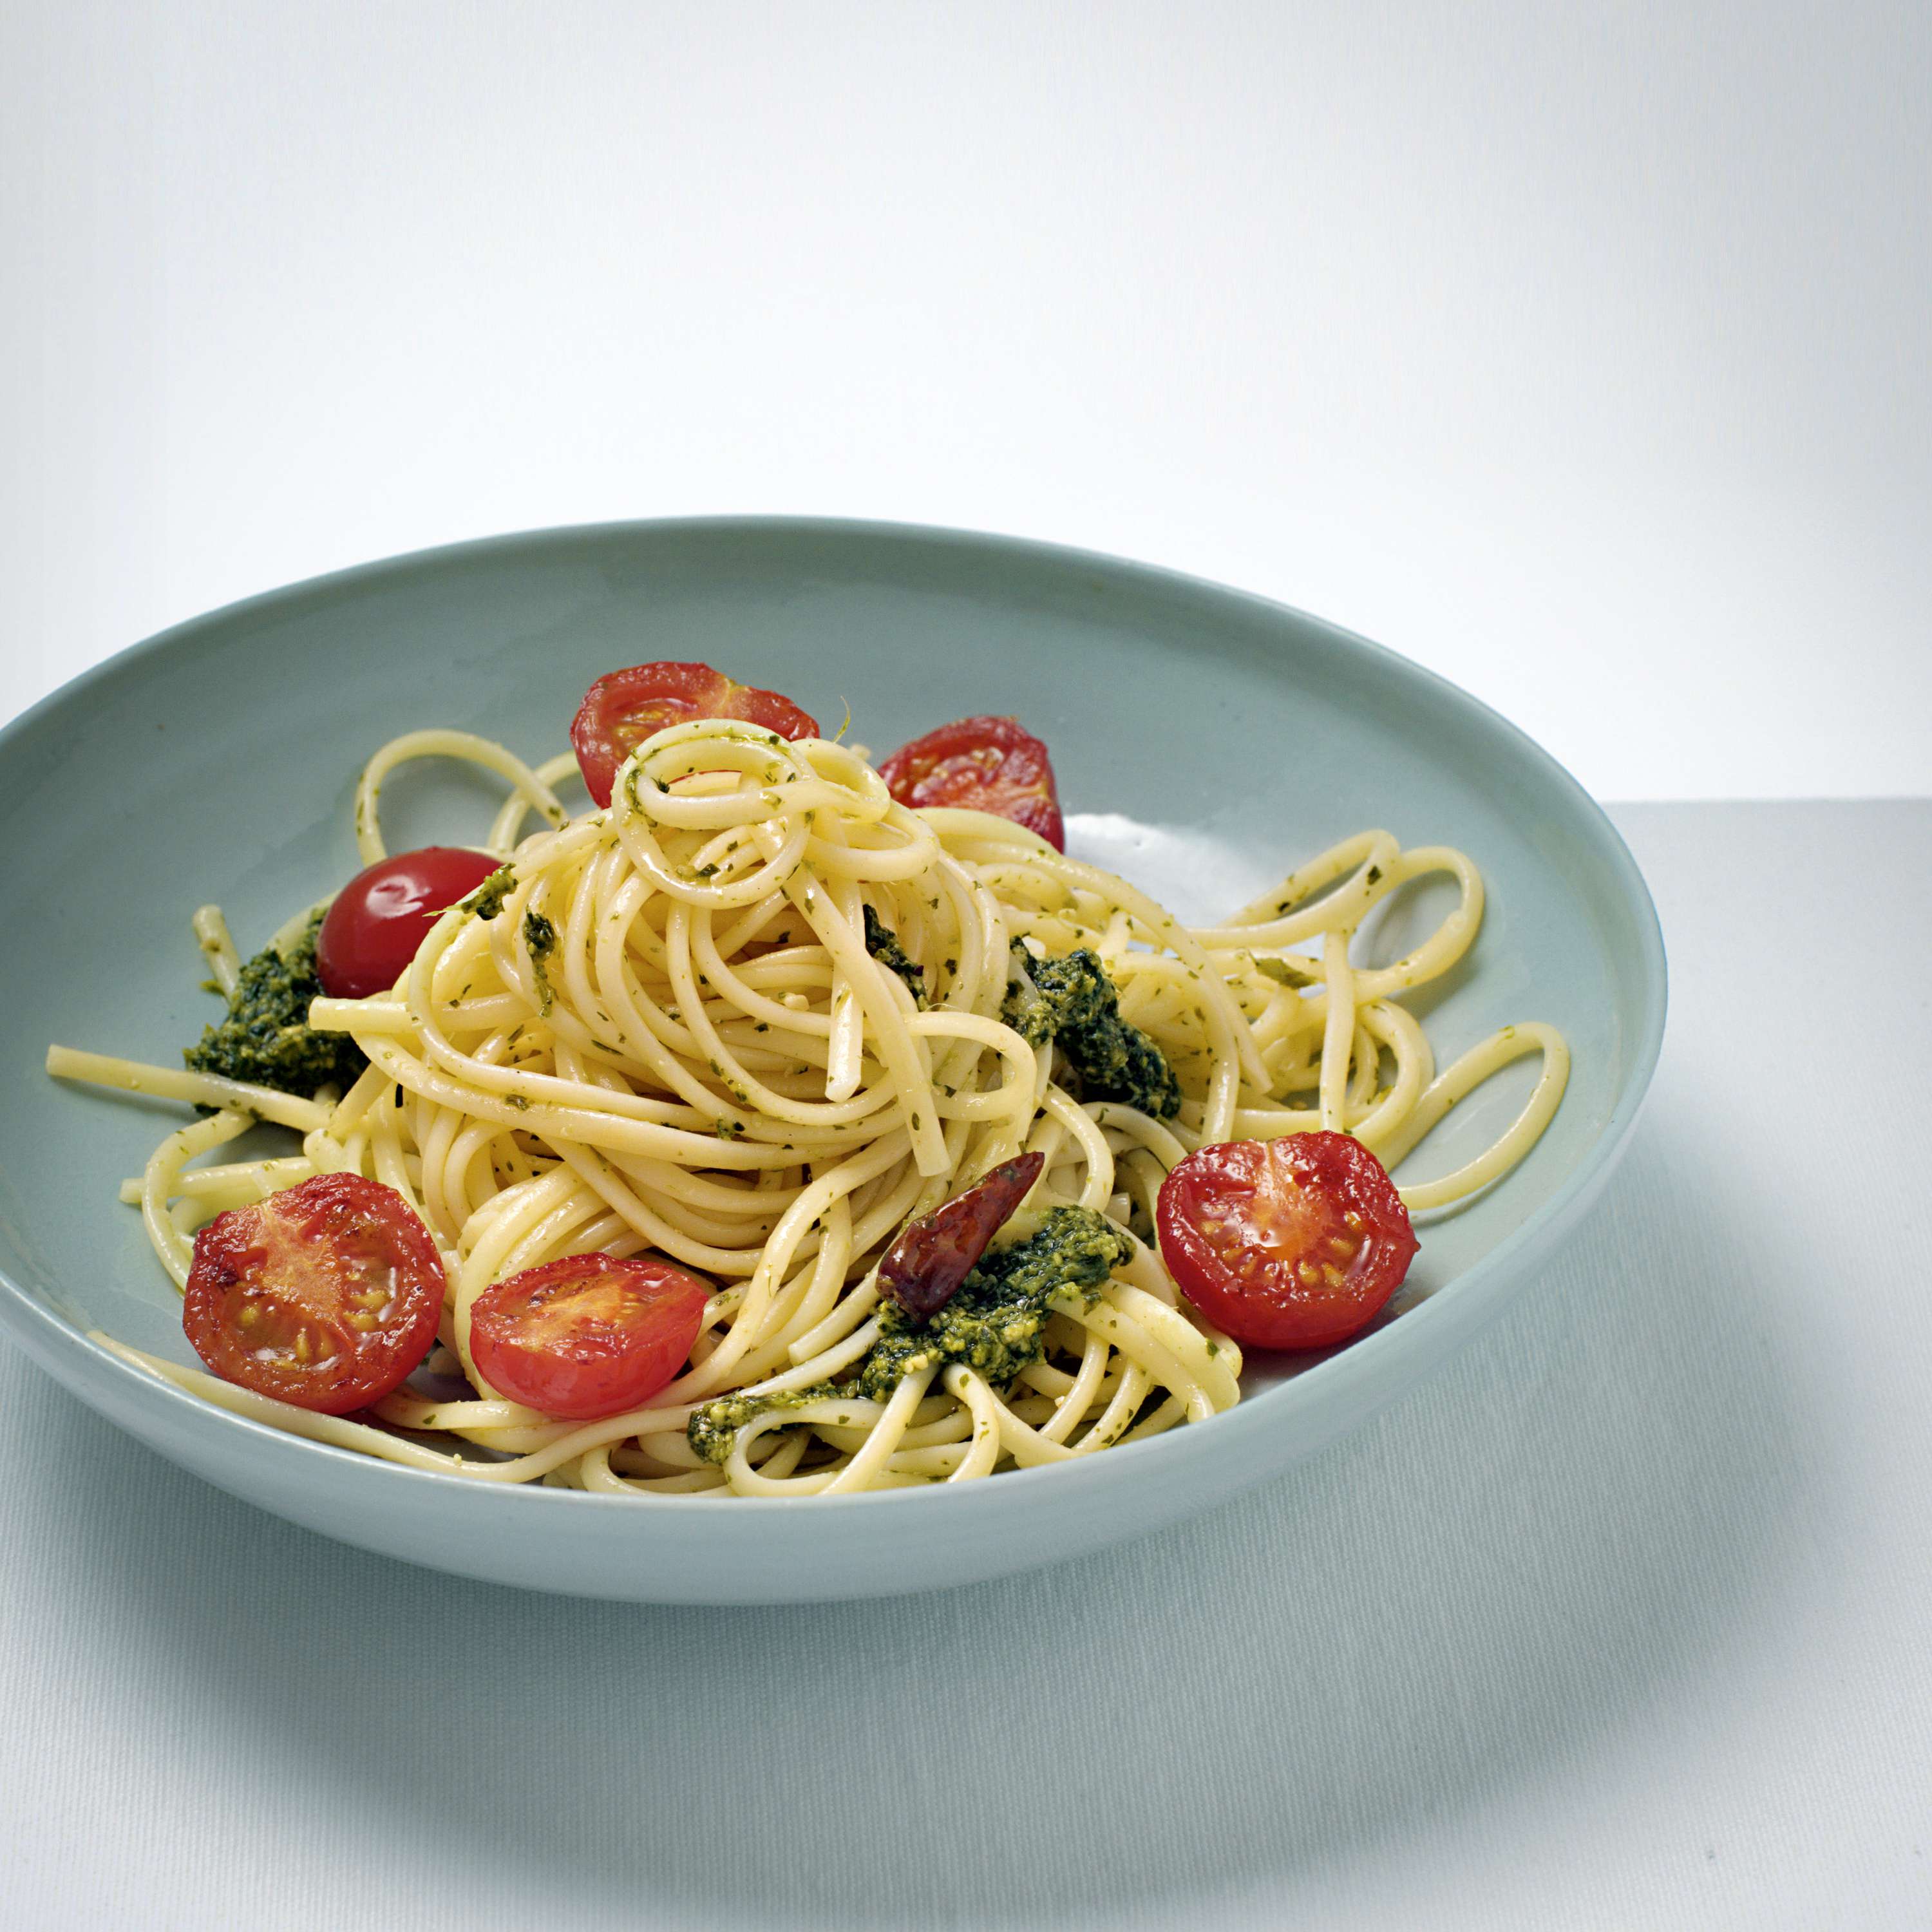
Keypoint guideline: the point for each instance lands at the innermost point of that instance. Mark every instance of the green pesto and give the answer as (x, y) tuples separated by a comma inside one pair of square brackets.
[(1072, 1002), (266, 1039), (994, 1321), (1026, 1009), (540, 936), (486, 900), (714, 1425), (883, 944), (1284, 974)]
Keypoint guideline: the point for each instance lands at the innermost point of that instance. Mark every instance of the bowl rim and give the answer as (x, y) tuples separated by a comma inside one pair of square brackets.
[(1465, 1302)]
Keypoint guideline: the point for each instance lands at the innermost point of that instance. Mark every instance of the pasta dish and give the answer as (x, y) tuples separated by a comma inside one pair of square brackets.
[(782, 1124)]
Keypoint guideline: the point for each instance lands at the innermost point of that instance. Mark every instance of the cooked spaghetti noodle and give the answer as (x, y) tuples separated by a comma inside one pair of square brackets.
[(661, 1028)]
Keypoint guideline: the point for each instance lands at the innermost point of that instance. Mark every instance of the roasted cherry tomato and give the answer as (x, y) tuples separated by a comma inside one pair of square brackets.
[(981, 764), (326, 1295), (1292, 1244), (625, 707), (934, 1254), (374, 924), (588, 1336)]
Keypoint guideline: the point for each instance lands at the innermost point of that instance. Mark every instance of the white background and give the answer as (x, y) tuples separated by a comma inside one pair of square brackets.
[(1579, 352)]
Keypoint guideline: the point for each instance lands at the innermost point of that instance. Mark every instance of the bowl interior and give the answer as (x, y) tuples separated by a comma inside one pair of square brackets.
[(1205, 741)]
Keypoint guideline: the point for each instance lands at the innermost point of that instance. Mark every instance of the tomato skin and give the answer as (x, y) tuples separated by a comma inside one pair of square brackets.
[(305, 1264), (1297, 1243), (587, 1336), (374, 924), (981, 764), (934, 1254), (625, 707)]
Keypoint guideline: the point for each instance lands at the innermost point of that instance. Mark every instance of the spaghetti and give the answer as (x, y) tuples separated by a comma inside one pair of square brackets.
[(661, 1028)]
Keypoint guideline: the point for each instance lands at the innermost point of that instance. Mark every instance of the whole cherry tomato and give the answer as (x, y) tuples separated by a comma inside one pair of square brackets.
[(326, 1295), (588, 1336), (980, 764), (1297, 1243), (374, 924), (625, 707)]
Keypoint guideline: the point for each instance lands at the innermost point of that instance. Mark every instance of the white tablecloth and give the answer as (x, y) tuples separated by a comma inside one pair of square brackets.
[(1619, 1621)]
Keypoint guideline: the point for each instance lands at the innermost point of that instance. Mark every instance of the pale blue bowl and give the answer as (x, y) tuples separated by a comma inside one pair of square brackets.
[(1205, 741)]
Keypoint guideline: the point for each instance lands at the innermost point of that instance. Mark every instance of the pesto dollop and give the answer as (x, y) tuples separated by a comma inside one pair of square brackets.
[(995, 1318), (266, 1040), (713, 1426), (994, 1323), (1072, 1002)]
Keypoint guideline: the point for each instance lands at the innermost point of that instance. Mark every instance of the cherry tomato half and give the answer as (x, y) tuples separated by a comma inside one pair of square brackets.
[(980, 764), (326, 1295), (1292, 1244), (588, 1336), (623, 708), (374, 926)]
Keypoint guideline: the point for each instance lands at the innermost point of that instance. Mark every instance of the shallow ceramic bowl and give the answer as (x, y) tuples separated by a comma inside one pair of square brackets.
[(1205, 741)]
